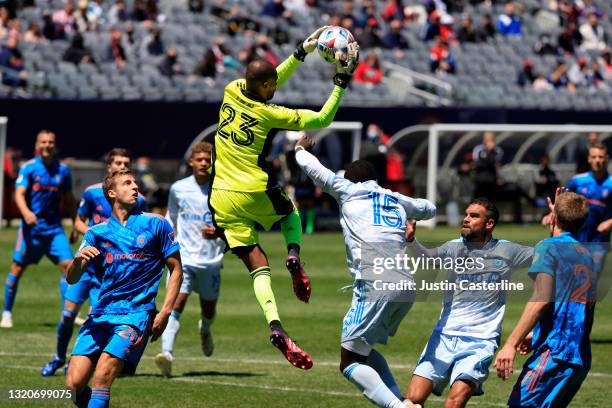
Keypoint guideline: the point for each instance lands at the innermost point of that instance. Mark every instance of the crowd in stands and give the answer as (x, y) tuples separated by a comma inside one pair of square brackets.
[(138, 35)]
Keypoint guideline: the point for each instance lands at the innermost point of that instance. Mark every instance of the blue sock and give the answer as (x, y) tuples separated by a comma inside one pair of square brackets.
[(10, 291), (372, 386), (100, 398), (176, 315), (378, 363), (65, 327), (63, 285), (82, 399)]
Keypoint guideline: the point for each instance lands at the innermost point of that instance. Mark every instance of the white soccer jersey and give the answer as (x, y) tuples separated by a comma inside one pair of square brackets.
[(478, 313), (188, 212), (369, 214)]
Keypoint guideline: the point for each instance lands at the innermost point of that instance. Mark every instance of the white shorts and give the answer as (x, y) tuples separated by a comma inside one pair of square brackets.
[(451, 358), (204, 281), (369, 322)]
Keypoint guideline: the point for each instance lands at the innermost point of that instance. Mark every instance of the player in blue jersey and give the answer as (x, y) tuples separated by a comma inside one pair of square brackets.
[(42, 185), (129, 251), (560, 314), (93, 209)]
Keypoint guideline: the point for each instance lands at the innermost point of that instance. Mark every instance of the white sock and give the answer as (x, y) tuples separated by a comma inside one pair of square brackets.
[(169, 336), (373, 387), (378, 363)]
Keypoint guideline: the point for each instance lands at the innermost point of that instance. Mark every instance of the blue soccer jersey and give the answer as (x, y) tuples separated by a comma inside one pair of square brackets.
[(599, 196), (565, 326), (132, 261), (44, 188), (95, 207)]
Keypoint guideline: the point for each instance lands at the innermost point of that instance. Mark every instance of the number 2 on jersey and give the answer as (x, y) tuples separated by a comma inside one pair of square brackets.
[(392, 218), (247, 123)]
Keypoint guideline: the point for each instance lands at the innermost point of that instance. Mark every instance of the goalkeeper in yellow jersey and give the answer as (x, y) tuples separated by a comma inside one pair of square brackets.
[(243, 193)]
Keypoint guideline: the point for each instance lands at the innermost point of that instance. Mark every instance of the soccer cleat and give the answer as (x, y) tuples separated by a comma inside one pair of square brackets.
[(51, 367), (301, 284), (409, 404), (164, 362), (7, 320), (208, 346), (79, 321), (292, 352)]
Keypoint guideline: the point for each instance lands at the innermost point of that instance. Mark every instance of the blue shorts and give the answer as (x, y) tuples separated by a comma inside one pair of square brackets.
[(447, 359), (121, 335), (546, 382), (87, 287), (369, 322), (30, 248)]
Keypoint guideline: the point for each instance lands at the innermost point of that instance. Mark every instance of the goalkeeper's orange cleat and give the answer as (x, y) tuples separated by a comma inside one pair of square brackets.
[(292, 352), (301, 283)]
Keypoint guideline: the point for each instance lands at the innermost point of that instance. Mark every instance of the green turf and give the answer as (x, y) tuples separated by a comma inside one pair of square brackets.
[(246, 371)]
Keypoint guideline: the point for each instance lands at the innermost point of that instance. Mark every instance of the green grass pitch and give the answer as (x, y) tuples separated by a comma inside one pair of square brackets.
[(245, 370)]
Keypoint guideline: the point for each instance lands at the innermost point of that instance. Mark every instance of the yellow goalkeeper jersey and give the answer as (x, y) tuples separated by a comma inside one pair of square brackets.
[(247, 127)]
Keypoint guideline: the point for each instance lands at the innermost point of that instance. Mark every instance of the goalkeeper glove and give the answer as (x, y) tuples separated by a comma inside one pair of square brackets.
[(309, 44), (346, 65)]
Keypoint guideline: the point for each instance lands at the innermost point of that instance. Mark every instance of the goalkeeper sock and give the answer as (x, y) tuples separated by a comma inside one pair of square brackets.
[(262, 285), (374, 389), (291, 227), (172, 329), (378, 363), (65, 327)]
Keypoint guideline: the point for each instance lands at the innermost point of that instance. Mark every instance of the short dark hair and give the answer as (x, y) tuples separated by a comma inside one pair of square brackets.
[(491, 211), (117, 151), (599, 146), (360, 171), (201, 147), (572, 211), (109, 182)]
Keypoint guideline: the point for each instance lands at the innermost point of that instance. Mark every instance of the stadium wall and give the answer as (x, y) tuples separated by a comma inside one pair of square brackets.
[(86, 129)]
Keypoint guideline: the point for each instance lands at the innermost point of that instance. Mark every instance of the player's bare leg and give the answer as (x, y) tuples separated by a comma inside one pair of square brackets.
[(78, 376), (420, 389), (257, 263), (10, 293), (108, 368), (460, 393)]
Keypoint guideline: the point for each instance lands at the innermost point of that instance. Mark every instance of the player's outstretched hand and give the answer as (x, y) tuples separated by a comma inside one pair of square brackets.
[(87, 254), (505, 361), (410, 230), (159, 325), (309, 44), (305, 142), (524, 347), (346, 65)]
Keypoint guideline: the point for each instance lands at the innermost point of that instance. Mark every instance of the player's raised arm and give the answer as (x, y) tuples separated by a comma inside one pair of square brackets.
[(288, 66), (417, 208), (320, 175)]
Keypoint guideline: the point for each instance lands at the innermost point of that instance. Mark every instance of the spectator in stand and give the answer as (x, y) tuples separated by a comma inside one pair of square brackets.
[(77, 53), (276, 9), (487, 28), (369, 38), (4, 19), (541, 84), (153, 13), (139, 11), (606, 63), (368, 13), (216, 59), (49, 27), (170, 66), (446, 28), (348, 23), (558, 78), (526, 76), (431, 29), (593, 35), (467, 33), (595, 78), (299, 7), (152, 45), (195, 6), (441, 61), (83, 20), (115, 51), (33, 34), (509, 23), (348, 13), (568, 12), (13, 29), (64, 20), (237, 23), (11, 58), (569, 39), (369, 71), (545, 46), (117, 13), (578, 73), (259, 50), (393, 11), (394, 39)]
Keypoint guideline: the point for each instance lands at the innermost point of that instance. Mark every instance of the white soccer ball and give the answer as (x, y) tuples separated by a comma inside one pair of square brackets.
[(332, 40)]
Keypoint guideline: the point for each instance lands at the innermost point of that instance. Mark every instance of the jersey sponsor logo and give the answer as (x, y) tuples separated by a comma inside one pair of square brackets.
[(38, 187), (99, 207)]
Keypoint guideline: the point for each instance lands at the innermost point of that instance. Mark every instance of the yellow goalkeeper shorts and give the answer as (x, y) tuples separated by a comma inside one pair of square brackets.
[(237, 212)]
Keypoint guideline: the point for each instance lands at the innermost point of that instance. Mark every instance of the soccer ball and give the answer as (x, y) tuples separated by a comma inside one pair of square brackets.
[(332, 40)]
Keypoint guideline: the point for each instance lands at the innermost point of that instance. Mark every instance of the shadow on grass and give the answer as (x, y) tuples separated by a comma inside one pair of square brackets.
[(219, 374)]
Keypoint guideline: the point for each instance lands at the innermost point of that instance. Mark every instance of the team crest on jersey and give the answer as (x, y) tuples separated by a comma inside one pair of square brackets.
[(109, 257), (140, 241), (99, 207), (584, 190)]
